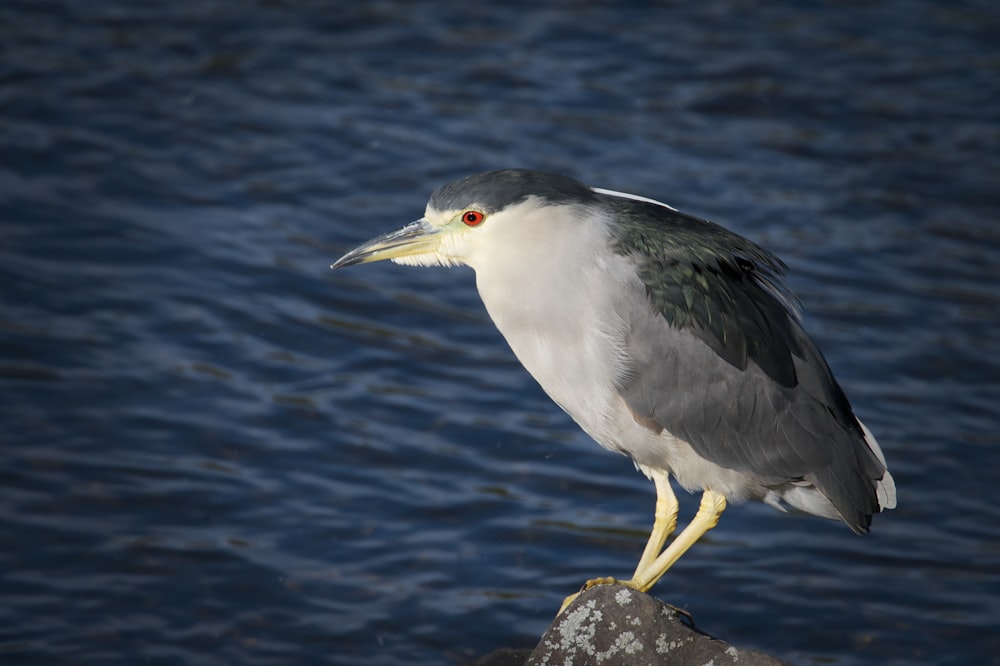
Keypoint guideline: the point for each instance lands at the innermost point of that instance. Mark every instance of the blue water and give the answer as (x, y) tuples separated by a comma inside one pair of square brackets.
[(216, 451)]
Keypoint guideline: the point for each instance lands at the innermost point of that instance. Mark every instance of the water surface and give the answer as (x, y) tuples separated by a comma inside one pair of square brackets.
[(216, 451)]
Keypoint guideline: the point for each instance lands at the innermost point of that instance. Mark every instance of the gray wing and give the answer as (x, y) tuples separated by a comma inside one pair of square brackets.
[(722, 362)]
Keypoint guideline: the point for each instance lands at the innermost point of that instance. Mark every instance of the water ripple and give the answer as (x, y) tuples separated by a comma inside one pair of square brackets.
[(217, 452)]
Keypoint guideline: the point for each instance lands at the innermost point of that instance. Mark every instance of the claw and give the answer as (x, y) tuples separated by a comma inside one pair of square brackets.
[(594, 582)]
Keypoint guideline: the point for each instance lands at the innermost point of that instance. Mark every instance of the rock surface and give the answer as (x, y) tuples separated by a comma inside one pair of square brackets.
[(615, 625)]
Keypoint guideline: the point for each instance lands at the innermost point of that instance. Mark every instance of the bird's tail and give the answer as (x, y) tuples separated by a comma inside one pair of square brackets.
[(885, 488)]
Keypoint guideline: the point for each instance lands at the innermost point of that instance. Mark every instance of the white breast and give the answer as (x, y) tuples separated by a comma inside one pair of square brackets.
[(562, 324)]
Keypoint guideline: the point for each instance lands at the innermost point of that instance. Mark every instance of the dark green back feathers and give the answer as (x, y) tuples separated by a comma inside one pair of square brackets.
[(722, 287)]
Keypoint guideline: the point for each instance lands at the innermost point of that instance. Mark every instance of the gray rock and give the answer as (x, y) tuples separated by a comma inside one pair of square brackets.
[(615, 625)]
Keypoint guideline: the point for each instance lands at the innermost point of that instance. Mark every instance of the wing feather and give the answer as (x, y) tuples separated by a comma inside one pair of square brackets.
[(722, 361)]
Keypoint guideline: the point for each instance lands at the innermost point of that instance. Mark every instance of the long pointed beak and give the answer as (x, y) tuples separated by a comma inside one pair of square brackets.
[(415, 238)]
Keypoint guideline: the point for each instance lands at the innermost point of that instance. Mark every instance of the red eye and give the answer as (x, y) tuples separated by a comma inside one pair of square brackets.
[(473, 218)]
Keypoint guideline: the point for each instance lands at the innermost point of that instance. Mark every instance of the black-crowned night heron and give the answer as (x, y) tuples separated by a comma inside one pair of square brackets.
[(667, 338)]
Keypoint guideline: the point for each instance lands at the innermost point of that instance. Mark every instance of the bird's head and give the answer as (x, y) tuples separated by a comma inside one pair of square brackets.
[(478, 219)]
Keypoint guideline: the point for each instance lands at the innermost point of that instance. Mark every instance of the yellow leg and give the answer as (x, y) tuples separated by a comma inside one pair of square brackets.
[(653, 563), (712, 506), (664, 524)]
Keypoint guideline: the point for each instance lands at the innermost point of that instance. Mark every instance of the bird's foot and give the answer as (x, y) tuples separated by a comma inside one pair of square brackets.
[(594, 582)]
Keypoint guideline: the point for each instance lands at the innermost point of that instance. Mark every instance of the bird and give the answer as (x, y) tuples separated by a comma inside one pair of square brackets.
[(666, 338)]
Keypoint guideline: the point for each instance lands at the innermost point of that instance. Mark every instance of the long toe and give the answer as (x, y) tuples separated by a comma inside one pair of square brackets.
[(593, 582), (566, 602)]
